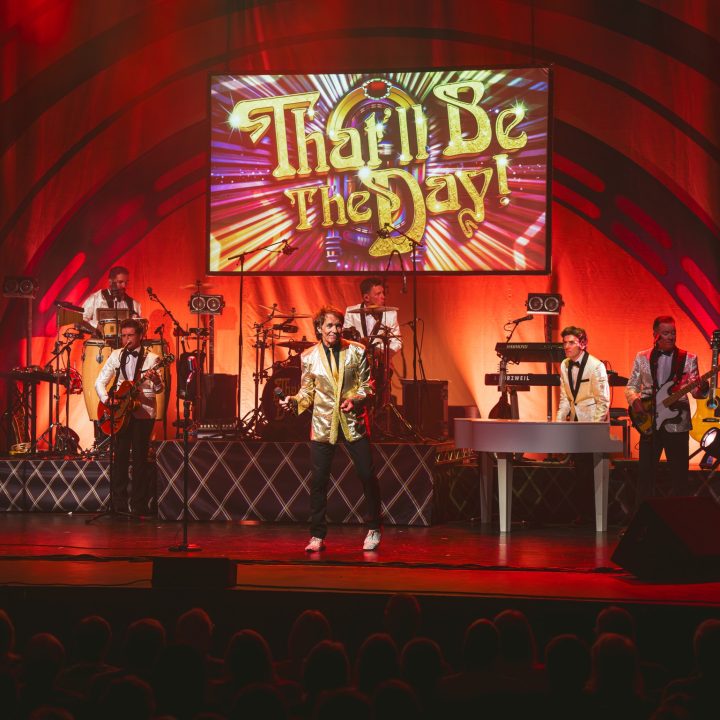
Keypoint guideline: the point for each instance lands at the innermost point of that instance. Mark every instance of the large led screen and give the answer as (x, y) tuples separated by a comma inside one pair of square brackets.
[(347, 173)]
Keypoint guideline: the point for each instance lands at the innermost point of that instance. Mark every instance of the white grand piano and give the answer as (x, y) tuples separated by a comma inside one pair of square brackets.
[(506, 437)]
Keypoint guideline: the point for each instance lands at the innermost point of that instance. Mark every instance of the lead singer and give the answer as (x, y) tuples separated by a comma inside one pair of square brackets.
[(335, 381)]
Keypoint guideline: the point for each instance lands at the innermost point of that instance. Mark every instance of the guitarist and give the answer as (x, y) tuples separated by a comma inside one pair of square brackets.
[(653, 369), (126, 364)]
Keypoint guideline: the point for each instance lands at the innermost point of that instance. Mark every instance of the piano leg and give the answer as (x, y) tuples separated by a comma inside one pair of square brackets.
[(486, 487), (505, 477), (601, 476)]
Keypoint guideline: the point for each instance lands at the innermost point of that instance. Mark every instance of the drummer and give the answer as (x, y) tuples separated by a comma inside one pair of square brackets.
[(377, 323), (114, 296)]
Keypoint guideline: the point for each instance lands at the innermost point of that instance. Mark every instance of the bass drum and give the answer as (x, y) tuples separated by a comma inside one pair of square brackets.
[(160, 347), (95, 353), (281, 425)]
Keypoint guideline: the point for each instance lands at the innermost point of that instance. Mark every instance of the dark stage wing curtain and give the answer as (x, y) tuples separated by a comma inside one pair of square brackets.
[(103, 127)]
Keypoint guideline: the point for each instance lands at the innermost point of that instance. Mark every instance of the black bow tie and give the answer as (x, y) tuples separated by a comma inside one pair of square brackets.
[(574, 363), (133, 353), (667, 353)]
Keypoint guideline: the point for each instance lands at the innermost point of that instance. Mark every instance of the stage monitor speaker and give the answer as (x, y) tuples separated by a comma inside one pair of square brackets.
[(218, 396), (432, 420), (191, 572), (672, 539)]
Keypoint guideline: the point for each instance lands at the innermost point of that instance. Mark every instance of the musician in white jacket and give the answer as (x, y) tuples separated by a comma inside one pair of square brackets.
[(132, 363), (655, 372), (584, 397)]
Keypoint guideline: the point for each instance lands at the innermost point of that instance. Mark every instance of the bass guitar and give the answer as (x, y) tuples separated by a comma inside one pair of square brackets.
[(706, 409), (127, 400), (644, 421)]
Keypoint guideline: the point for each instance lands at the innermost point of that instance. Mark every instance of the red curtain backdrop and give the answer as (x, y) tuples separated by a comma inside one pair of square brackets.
[(104, 135)]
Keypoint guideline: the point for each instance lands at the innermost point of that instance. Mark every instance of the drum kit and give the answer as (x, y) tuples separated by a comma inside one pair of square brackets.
[(267, 420)]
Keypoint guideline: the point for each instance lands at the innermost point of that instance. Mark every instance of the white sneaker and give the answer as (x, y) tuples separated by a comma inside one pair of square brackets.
[(316, 544), (372, 540)]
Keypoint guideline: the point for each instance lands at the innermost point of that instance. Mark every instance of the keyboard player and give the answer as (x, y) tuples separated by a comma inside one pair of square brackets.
[(585, 397)]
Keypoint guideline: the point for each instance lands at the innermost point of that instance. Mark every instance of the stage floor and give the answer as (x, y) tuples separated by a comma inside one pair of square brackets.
[(455, 559)]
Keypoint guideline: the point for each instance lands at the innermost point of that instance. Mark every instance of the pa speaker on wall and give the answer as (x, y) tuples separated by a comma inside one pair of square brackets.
[(672, 539)]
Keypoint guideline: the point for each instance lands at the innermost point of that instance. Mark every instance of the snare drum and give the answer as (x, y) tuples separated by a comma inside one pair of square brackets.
[(161, 399), (95, 353)]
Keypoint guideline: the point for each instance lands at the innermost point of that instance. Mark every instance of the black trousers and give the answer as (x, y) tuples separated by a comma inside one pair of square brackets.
[(133, 439), (321, 455), (677, 452)]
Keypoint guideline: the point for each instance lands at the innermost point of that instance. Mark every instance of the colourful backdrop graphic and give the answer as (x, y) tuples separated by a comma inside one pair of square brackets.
[(104, 130), (455, 162)]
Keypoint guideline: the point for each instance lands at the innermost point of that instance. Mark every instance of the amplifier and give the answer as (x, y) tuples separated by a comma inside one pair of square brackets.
[(431, 397)]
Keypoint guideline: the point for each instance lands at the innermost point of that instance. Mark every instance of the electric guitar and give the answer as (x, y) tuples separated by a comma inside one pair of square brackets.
[(644, 422), (126, 396), (706, 409)]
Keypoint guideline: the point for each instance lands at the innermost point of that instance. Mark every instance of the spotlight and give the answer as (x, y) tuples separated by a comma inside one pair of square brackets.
[(710, 442), (544, 303), (20, 287), (206, 304)]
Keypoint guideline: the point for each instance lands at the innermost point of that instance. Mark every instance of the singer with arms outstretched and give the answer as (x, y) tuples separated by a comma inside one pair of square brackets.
[(128, 363), (335, 382)]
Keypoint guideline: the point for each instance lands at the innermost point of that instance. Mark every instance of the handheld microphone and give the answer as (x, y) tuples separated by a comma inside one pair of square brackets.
[(522, 319), (281, 395)]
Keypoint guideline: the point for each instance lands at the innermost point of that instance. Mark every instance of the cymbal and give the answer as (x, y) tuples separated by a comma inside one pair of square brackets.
[(197, 286), (371, 309), (296, 345), (285, 316)]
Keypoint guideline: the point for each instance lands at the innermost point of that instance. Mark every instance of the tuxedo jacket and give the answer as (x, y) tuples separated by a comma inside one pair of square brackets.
[(320, 390), (592, 403), (640, 384)]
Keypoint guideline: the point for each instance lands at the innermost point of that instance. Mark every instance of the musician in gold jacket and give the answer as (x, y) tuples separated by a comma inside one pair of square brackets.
[(655, 371), (128, 363), (335, 382)]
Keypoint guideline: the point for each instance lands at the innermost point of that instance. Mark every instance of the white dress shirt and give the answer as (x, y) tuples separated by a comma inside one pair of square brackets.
[(97, 300), (389, 319)]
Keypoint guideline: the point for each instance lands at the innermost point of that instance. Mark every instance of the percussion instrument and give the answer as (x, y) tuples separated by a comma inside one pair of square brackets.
[(161, 348), (108, 329), (295, 345), (95, 353)]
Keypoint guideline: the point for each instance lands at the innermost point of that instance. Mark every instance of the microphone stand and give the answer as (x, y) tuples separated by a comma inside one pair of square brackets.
[(416, 355), (185, 546), (240, 257), (178, 332)]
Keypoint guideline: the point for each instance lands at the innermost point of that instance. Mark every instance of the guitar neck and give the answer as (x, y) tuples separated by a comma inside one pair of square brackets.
[(670, 399)]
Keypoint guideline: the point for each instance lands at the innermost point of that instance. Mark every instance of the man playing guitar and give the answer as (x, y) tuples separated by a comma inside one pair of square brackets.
[(132, 362), (654, 372)]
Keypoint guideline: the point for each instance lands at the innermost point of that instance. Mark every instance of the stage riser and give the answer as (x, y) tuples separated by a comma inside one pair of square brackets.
[(270, 481)]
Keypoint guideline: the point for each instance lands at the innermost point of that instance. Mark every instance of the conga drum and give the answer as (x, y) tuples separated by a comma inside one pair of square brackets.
[(95, 353), (160, 347)]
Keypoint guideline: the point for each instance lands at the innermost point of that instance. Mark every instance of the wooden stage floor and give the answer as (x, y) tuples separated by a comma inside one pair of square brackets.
[(455, 559)]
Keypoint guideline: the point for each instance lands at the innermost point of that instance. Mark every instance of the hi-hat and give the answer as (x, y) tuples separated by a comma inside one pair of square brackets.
[(284, 315), (370, 309), (296, 345), (197, 286)]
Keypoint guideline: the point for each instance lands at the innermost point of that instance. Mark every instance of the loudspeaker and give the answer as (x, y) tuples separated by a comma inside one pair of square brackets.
[(672, 539), (433, 403), (217, 400), (188, 572)]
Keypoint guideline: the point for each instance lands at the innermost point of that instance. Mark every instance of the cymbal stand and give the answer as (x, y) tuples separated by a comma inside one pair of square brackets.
[(178, 332), (251, 423), (388, 410), (59, 437)]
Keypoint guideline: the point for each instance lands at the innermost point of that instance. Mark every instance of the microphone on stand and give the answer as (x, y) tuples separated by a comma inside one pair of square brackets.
[(522, 319), (288, 249), (159, 329), (385, 230), (149, 291)]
